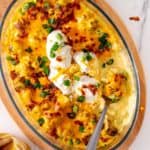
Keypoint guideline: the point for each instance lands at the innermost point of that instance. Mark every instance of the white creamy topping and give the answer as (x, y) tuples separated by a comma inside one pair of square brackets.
[(82, 86), (80, 59), (55, 37), (59, 82), (63, 58)]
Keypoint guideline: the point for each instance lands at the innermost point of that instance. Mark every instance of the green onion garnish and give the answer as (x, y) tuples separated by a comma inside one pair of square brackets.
[(46, 70), (70, 142), (59, 36), (81, 128), (41, 121), (67, 82), (75, 108), (43, 94), (51, 21), (55, 47), (12, 60), (81, 99), (110, 61), (76, 78)]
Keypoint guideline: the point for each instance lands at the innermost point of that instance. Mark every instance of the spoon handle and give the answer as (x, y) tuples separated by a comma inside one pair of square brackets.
[(96, 134)]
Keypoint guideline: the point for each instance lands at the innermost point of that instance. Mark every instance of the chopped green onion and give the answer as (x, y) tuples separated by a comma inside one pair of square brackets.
[(70, 142), (55, 46), (45, 26), (49, 29), (37, 85), (43, 60), (103, 65), (75, 108), (28, 5), (46, 5), (104, 43), (46, 70), (110, 61), (88, 57), (52, 55), (67, 82), (41, 121), (78, 141), (12, 60), (94, 121), (27, 82), (51, 21), (59, 36), (81, 128), (97, 85), (103, 37), (76, 78), (43, 94), (81, 99), (21, 11), (29, 49)]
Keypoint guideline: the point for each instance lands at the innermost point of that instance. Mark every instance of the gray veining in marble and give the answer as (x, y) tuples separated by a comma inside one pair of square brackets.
[(144, 12)]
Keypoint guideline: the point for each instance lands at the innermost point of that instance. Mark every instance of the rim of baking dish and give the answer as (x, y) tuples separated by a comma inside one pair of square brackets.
[(135, 72)]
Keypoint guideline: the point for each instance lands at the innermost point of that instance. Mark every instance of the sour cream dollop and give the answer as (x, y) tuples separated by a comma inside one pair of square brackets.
[(86, 86), (59, 54), (81, 58)]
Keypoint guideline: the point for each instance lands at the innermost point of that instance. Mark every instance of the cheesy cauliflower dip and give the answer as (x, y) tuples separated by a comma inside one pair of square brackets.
[(65, 60)]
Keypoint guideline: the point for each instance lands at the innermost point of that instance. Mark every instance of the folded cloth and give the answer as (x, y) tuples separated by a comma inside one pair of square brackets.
[(9, 142)]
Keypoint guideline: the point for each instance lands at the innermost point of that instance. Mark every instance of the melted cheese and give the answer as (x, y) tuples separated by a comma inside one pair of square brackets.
[(53, 101)]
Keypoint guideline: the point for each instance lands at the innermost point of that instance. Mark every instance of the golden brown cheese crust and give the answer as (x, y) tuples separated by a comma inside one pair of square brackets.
[(70, 123)]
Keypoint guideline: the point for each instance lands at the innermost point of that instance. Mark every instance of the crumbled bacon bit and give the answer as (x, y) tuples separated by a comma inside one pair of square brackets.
[(67, 14), (82, 91), (32, 104), (21, 26), (37, 75), (44, 38), (44, 14), (53, 133), (18, 89), (32, 13), (112, 132), (91, 39), (135, 18), (55, 114), (91, 87), (59, 58), (13, 75), (119, 78), (76, 34), (82, 39), (86, 139), (40, 1), (104, 139), (23, 34), (77, 122)]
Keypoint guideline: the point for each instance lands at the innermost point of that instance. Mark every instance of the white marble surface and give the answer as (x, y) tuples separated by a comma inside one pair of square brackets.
[(141, 35)]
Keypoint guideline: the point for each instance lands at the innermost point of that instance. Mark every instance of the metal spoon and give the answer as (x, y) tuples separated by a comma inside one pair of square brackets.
[(96, 134)]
